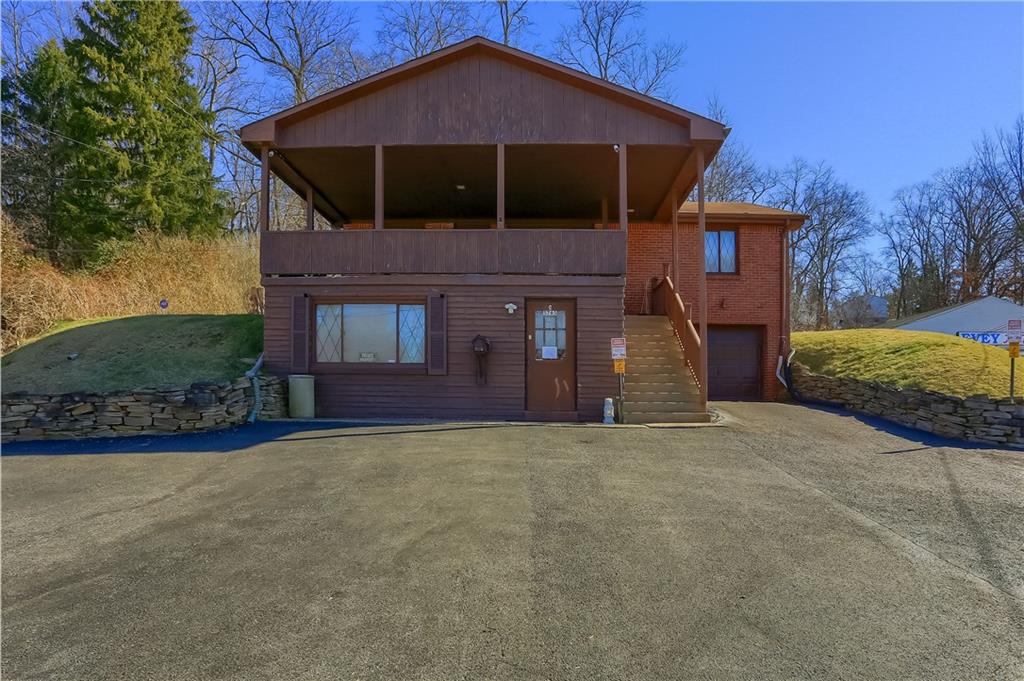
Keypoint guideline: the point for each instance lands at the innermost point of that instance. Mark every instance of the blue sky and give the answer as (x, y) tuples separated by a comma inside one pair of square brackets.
[(887, 93)]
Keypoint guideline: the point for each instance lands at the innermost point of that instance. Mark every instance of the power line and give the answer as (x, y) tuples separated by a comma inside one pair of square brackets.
[(105, 150), (128, 181)]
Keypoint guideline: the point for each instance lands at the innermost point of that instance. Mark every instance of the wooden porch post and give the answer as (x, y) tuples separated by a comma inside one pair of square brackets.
[(310, 218), (501, 186), (264, 216), (702, 294), (675, 240), (623, 212), (378, 187)]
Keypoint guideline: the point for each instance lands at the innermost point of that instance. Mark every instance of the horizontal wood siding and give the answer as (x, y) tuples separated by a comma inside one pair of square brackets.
[(418, 251), (480, 99), (475, 305)]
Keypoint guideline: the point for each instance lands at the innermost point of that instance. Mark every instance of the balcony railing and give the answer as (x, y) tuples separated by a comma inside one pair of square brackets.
[(418, 251)]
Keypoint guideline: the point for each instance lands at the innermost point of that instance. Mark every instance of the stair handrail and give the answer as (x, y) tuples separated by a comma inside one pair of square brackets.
[(665, 301)]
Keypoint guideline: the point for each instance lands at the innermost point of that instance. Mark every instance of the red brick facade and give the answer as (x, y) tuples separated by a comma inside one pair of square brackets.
[(751, 297)]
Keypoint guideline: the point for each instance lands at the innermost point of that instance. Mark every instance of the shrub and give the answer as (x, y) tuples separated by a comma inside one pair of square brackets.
[(217, 276)]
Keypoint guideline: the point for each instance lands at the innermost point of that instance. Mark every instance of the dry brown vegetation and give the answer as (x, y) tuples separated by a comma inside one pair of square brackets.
[(212, 277)]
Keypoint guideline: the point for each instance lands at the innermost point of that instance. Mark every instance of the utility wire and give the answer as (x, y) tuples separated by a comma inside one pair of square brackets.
[(106, 150)]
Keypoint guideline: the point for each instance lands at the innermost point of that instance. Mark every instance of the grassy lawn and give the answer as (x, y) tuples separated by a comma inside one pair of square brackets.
[(911, 359), (156, 351)]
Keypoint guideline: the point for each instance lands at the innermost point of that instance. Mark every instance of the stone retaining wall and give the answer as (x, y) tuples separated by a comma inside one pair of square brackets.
[(979, 418), (199, 407)]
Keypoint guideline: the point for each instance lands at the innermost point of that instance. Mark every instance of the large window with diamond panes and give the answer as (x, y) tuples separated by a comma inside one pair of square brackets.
[(370, 333), (720, 252)]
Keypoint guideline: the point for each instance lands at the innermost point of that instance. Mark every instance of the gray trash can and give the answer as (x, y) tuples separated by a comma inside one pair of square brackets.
[(300, 396)]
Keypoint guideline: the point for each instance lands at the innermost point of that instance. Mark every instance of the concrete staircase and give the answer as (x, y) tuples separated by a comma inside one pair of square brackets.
[(659, 387)]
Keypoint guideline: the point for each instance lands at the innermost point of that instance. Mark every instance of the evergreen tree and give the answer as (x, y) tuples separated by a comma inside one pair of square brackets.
[(138, 161), (37, 155)]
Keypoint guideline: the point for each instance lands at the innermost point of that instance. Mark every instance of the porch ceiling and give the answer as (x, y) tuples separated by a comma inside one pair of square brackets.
[(460, 181)]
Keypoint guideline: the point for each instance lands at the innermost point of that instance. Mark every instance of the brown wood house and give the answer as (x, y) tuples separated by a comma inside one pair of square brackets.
[(481, 222)]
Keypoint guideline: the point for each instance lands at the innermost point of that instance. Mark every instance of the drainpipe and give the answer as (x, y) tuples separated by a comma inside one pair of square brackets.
[(784, 312), (253, 376), (786, 370)]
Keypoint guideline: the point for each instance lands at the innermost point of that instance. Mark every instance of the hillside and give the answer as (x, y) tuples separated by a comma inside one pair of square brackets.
[(911, 359), (134, 352)]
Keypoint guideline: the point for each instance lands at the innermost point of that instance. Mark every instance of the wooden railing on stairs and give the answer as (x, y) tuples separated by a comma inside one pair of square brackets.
[(666, 301)]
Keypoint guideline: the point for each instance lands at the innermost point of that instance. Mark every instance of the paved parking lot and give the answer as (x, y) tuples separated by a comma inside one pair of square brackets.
[(789, 543)]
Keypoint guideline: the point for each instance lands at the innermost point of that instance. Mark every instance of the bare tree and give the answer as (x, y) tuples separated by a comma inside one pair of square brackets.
[(307, 47), (606, 40), (983, 233), (294, 41), (414, 29), (822, 250), (19, 33), (899, 253), (27, 25), (734, 175), (1002, 162), (224, 90), (1001, 159), (512, 20), (917, 209)]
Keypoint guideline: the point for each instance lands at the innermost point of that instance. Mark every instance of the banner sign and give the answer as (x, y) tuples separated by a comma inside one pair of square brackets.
[(986, 337)]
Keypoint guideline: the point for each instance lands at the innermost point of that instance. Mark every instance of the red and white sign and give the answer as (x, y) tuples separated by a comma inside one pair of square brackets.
[(1013, 330), (618, 348)]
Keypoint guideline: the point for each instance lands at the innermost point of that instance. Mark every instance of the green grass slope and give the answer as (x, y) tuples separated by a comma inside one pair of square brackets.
[(156, 351), (909, 359)]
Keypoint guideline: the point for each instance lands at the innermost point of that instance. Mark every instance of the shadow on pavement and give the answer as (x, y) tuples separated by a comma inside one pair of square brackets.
[(225, 441), (995, 571), (925, 439), (220, 441)]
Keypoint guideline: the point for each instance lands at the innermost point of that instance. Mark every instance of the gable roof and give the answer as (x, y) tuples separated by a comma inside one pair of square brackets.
[(938, 312), (701, 127)]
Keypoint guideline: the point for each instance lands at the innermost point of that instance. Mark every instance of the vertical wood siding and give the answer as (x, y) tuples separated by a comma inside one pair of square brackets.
[(480, 99)]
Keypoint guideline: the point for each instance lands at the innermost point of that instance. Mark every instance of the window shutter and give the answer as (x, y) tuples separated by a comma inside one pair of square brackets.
[(300, 334), (437, 342)]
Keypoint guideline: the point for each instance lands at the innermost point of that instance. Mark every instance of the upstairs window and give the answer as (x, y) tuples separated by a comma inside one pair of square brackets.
[(370, 333), (720, 252)]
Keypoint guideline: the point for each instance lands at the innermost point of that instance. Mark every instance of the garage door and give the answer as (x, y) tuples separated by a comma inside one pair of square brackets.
[(734, 363)]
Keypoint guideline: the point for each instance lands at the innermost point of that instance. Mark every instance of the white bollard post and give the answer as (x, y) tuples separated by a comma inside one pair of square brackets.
[(609, 411)]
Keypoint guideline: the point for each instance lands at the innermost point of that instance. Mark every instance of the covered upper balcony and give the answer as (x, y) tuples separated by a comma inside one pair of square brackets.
[(476, 159)]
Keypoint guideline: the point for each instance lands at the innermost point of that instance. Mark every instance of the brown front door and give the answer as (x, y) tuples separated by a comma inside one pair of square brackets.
[(551, 355)]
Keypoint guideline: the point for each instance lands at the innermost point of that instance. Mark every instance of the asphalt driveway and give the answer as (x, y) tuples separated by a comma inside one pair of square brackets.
[(790, 543)]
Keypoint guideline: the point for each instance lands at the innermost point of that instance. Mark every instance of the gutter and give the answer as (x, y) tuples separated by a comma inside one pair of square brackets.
[(252, 375)]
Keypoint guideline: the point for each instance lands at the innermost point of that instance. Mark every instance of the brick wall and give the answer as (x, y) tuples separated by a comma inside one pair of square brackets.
[(753, 296)]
